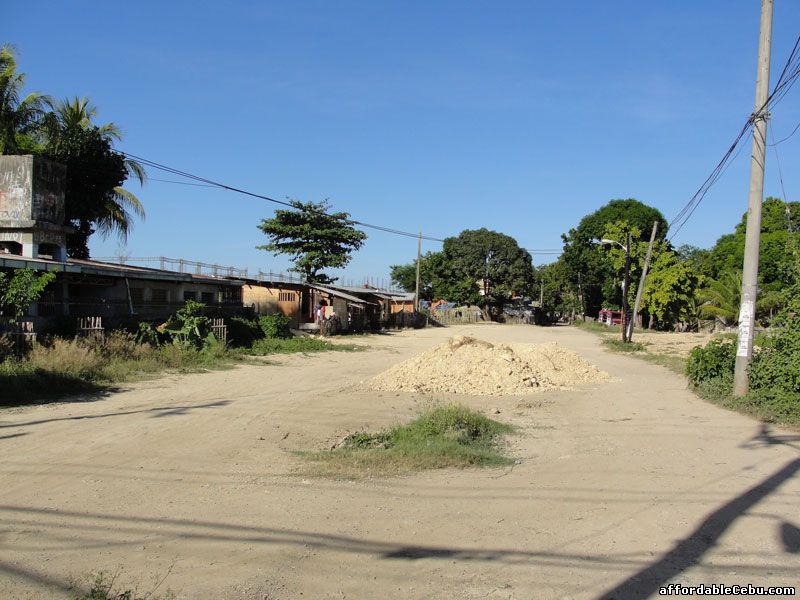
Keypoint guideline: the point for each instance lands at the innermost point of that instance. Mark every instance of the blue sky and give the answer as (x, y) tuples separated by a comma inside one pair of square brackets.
[(442, 116)]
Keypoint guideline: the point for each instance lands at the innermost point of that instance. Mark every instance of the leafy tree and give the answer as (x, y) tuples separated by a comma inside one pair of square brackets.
[(670, 292), (21, 116), (595, 270), (20, 290), (561, 296), (313, 237), (485, 268), (433, 276), (722, 297), (95, 199)]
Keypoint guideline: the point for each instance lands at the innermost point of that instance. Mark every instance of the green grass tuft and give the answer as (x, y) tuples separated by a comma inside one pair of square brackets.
[(446, 436), (267, 346)]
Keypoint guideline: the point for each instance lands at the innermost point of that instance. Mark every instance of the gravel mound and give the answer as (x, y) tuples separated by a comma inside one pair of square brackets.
[(465, 365)]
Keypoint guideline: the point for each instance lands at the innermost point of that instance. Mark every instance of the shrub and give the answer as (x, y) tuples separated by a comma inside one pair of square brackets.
[(243, 332), (777, 366), (714, 360), (275, 326), (67, 357), (188, 327)]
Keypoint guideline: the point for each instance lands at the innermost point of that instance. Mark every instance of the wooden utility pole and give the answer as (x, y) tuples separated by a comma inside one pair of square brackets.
[(626, 281), (640, 289), (416, 289), (747, 310)]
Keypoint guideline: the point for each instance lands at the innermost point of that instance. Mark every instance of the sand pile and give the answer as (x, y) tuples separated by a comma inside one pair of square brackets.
[(465, 365)]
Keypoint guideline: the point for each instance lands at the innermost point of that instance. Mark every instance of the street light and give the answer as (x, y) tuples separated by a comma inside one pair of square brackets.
[(625, 283)]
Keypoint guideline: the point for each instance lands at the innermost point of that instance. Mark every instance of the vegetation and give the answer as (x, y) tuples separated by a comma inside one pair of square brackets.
[(441, 437), (20, 290), (478, 267), (774, 375), (64, 131), (314, 238), (267, 346), (105, 587)]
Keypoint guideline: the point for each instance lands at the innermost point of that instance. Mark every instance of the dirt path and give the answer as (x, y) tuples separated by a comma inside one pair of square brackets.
[(622, 487)]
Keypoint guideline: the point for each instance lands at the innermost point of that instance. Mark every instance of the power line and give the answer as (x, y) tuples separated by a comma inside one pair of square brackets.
[(212, 183), (787, 78)]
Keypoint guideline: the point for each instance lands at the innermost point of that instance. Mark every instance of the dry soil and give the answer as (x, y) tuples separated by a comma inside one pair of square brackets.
[(621, 487)]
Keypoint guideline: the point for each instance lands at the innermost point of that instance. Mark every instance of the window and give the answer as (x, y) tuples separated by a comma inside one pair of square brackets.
[(286, 297), (207, 297), (137, 295), (187, 295), (231, 295), (159, 296)]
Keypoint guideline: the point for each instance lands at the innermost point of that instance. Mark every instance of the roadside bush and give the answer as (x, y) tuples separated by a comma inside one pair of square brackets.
[(67, 357), (777, 366), (188, 327), (275, 326), (714, 360), (243, 332)]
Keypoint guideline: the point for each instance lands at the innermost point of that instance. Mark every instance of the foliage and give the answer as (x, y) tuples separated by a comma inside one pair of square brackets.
[(275, 326), (103, 587), (485, 268), (94, 197), (715, 359), (561, 297), (777, 366), (95, 200), (581, 257), (314, 238), (445, 436), (21, 115), (720, 298), (188, 328), (243, 332), (670, 291), (435, 277), (267, 346), (22, 289), (619, 346)]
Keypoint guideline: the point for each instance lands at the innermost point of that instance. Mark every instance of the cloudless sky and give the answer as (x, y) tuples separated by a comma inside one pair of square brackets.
[(521, 117)]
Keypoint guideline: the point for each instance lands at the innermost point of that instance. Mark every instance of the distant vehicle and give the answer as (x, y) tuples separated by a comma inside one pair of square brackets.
[(610, 317)]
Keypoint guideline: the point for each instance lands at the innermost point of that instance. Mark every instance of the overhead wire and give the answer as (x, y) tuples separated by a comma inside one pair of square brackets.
[(787, 78)]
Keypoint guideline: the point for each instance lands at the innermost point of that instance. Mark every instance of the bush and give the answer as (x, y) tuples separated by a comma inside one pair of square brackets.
[(275, 326), (188, 327), (715, 360), (777, 366), (243, 332)]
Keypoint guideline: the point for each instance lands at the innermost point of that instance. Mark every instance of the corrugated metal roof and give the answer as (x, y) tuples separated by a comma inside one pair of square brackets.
[(337, 293)]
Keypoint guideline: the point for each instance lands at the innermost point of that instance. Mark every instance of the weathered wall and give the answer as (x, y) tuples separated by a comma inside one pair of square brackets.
[(16, 188)]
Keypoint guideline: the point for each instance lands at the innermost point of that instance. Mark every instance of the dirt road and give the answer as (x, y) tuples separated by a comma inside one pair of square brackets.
[(621, 488)]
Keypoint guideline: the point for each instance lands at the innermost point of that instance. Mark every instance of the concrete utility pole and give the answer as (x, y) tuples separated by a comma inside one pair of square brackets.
[(626, 282), (640, 289), (419, 255), (747, 311)]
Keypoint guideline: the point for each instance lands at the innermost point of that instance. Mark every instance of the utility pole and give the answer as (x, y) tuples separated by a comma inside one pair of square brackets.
[(626, 281), (541, 294), (416, 289), (747, 311), (640, 289)]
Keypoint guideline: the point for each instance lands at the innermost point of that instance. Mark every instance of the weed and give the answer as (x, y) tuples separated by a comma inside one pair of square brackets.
[(620, 346), (297, 344), (445, 436)]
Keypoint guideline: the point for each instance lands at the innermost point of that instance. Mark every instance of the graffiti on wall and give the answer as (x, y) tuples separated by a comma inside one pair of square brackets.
[(15, 188), (31, 189)]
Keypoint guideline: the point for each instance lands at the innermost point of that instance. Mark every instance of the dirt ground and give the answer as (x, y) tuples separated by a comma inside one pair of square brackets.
[(621, 487), (666, 342)]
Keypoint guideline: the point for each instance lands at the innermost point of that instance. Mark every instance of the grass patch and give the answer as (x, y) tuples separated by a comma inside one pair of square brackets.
[(620, 346), (79, 366), (267, 346), (105, 587), (441, 437)]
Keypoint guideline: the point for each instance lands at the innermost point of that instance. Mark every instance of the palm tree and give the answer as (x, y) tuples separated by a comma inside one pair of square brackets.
[(722, 297), (19, 115), (122, 204)]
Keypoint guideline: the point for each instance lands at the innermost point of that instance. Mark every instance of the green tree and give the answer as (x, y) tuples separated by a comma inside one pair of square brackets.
[(594, 268), (20, 290), (314, 238), (670, 292), (95, 199), (485, 268), (21, 115), (721, 298)]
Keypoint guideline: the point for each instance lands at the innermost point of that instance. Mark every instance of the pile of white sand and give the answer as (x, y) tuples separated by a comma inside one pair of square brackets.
[(465, 365)]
